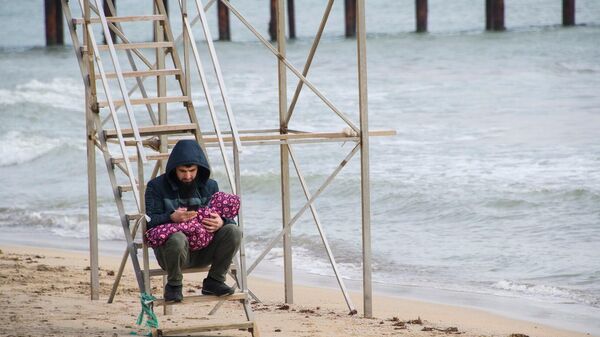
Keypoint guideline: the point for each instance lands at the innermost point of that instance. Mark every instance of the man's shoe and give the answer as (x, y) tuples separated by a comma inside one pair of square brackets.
[(173, 293), (216, 288)]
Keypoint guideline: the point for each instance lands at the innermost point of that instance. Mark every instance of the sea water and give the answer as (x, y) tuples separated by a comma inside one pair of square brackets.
[(488, 196)]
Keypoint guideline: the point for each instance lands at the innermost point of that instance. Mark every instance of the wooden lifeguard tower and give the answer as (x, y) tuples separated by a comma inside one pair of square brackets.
[(139, 102)]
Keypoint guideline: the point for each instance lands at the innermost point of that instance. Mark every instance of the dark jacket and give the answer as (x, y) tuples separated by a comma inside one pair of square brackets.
[(162, 193)]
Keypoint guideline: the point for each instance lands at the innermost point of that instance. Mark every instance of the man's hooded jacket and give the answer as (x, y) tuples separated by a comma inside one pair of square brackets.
[(164, 194)]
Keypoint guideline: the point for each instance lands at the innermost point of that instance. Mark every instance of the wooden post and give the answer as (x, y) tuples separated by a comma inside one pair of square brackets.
[(54, 22), (284, 153), (223, 17), (421, 15), (568, 13), (291, 19), (350, 9), (361, 44), (273, 21), (494, 15)]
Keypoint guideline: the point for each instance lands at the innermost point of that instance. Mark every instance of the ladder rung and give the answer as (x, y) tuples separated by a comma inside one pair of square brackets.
[(149, 100), (144, 73), (204, 327), (160, 156), (155, 130), (133, 216), (135, 45), (124, 188), (204, 298), (160, 272), (79, 21)]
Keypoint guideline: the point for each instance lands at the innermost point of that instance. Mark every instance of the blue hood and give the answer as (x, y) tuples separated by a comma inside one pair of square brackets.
[(188, 152)]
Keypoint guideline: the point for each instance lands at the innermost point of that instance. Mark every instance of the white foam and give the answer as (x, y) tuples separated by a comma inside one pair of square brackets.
[(63, 93), (534, 290), (17, 148)]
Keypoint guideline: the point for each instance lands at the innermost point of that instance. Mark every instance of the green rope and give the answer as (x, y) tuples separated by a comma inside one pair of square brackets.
[(151, 320)]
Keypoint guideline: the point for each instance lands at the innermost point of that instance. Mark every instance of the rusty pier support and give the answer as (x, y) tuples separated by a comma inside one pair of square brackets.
[(273, 21), (107, 13), (224, 28), (421, 15), (350, 10), (568, 13), (291, 19), (494, 15), (54, 22)]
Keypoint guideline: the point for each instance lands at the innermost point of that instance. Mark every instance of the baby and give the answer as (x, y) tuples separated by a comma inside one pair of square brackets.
[(225, 204)]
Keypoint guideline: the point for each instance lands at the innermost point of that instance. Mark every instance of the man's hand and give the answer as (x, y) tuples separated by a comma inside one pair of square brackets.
[(214, 223), (182, 214)]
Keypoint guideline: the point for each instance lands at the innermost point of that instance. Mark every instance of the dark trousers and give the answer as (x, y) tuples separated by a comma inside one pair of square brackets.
[(175, 254)]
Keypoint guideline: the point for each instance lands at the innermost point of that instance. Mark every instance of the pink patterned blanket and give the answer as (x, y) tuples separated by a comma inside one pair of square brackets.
[(225, 204)]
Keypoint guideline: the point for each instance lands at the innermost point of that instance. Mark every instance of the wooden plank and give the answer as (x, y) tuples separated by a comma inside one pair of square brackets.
[(160, 272), (203, 299), (146, 73), (154, 130), (134, 45), (149, 100), (204, 327), (132, 18)]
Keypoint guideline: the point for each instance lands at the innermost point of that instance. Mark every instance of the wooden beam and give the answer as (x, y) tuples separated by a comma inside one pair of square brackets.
[(223, 17), (350, 15), (568, 13), (421, 15), (54, 22)]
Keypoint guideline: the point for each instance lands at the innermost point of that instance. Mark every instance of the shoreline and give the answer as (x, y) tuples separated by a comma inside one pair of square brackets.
[(470, 321)]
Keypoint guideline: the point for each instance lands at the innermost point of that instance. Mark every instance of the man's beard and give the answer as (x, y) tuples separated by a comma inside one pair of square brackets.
[(186, 190)]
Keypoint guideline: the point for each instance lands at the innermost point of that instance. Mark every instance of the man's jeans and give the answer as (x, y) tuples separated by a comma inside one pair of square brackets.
[(175, 255)]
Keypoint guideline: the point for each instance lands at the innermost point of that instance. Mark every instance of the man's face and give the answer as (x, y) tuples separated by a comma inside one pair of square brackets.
[(186, 174)]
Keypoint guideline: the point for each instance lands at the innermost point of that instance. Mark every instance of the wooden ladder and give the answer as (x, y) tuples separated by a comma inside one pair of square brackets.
[(133, 139)]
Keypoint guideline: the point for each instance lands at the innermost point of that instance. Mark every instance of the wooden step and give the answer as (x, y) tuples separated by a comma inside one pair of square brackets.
[(134, 45), (160, 272), (155, 130), (133, 18), (158, 156), (203, 299), (144, 73), (144, 101), (249, 325)]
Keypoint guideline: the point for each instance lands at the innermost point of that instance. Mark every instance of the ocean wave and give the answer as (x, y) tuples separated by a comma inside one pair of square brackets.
[(547, 292), (62, 93), (68, 224), (17, 148)]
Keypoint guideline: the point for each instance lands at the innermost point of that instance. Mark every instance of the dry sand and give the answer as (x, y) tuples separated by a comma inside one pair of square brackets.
[(45, 292)]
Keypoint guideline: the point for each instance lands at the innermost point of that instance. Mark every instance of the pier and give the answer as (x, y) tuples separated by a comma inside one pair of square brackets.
[(494, 18)]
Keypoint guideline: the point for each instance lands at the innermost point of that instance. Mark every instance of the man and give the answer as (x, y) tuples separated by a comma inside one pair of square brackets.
[(173, 197)]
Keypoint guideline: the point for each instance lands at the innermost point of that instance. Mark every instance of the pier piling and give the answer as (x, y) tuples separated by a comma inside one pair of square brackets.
[(350, 10), (273, 21), (291, 19), (107, 13), (54, 22), (224, 28), (494, 15), (421, 15), (568, 13)]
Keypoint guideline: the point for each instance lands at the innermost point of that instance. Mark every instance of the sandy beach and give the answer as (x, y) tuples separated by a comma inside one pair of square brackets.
[(45, 292)]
